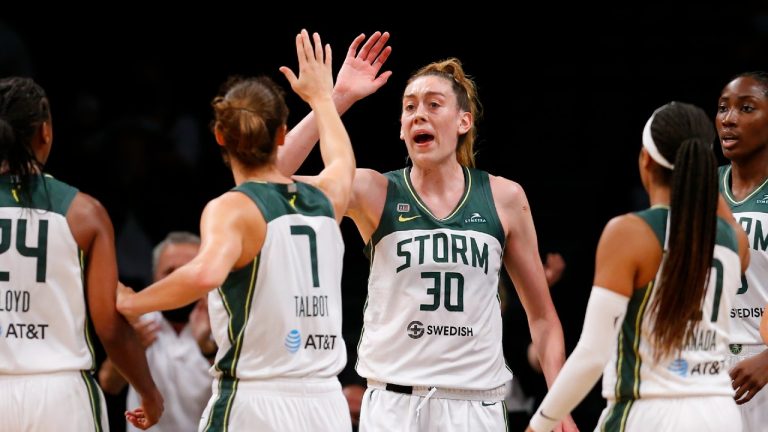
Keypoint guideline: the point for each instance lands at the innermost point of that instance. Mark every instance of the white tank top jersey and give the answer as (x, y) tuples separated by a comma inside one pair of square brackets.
[(432, 317), (752, 294), (699, 369), (280, 316), (43, 313)]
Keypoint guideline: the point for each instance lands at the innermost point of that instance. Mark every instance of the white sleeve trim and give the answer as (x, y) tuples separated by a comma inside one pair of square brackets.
[(602, 322)]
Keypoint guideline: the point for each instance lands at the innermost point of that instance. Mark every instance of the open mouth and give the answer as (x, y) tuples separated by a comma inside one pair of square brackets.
[(423, 138)]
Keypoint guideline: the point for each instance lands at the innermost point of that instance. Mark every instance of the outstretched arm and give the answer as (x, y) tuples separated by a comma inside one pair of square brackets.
[(315, 85), (222, 225), (358, 77), (93, 232), (615, 270)]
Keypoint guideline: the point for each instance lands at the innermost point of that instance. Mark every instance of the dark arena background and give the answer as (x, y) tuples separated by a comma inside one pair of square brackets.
[(565, 95)]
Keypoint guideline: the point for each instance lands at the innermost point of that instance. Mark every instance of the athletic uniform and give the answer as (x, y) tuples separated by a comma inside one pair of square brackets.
[(431, 341), (181, 374), (687, 391), (46, 350), (752, 295), (277, 321)]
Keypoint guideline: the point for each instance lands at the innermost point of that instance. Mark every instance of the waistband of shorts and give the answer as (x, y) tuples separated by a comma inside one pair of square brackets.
[(285, 386), (494, 394), (44, 375)]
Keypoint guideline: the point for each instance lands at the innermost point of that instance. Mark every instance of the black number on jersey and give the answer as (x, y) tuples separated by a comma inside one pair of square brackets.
[(718, 266), (448, 282), (39, 252), (310, 233), (744, 285)]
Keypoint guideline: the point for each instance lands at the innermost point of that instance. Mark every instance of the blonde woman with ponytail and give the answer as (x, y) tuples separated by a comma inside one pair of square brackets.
[(438, 233)]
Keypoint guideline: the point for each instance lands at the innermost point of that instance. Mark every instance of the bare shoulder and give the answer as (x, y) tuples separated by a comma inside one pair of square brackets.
[(230, 205), (628, 235), (628, 254), (368, 179), (87, 218), (507, 192)]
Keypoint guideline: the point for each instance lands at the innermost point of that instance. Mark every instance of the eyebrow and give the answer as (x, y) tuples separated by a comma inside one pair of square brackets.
[(429, 93), (742, 97)]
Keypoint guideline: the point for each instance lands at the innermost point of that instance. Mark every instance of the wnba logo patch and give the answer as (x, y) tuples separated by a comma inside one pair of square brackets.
[(403, 208), (293, 341)]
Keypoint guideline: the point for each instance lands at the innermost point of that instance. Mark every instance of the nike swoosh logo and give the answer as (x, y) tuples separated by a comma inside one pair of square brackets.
[(406, 219), (489, 404)]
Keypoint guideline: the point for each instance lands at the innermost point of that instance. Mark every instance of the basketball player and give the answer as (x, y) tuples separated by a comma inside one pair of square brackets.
[(58, 274), (670, 321), (437, 234), (271, 258), (742, 125)]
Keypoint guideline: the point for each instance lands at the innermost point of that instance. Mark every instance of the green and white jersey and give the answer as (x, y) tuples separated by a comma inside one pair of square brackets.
[(432, 317), (699, 369), (280, 316), (752, 294), (43, 313)]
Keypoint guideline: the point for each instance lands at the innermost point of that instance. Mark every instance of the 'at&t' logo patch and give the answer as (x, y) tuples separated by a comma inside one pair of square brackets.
[(293, 341)]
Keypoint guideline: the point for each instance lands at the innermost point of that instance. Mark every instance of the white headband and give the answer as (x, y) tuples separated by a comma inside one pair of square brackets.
[(650, 146)]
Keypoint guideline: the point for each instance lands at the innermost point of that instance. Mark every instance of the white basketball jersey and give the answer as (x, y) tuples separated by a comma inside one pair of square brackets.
[(280, 316), (752, 294), (43, 316), (432, 317), (699, 369)]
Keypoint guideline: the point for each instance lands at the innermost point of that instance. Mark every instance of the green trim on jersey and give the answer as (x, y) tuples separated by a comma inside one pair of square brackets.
[(88, 327), (94, 398), (46, 192), (278, 199), (656, 217), (218, 417), (759, 204), (237, 295), (405, 211), (628, 348), (616, 421)]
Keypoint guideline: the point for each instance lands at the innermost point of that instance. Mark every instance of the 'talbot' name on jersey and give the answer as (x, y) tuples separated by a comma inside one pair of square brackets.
[(19, 301), (416, 329), (444, 248)]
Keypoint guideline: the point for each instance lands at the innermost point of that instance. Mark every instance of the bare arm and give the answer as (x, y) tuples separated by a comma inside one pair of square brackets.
[(93, 232), (222, 227), (522, 261), (623, 239), (358, 77), (315, 85)]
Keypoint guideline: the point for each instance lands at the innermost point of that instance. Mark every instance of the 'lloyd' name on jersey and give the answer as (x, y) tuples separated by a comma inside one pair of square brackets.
[(444, 248), (19, 301)]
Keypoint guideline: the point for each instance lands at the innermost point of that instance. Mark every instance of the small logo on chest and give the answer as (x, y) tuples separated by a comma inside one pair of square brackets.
[(475, 218)]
